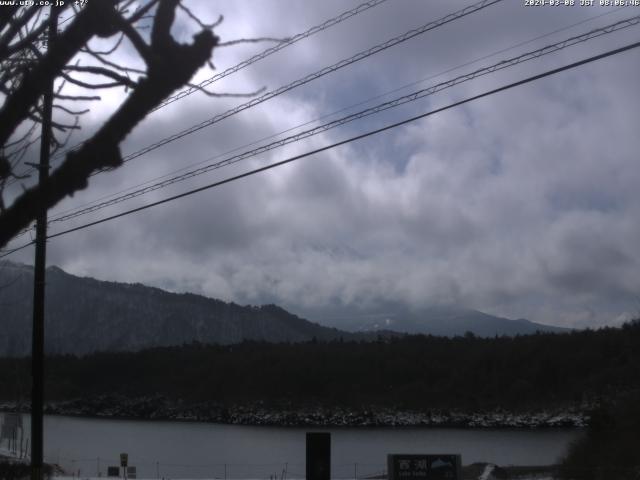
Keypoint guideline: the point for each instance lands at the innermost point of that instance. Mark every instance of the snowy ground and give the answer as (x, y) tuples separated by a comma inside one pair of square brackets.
[(489, 477), (160, 408), (6, 453)]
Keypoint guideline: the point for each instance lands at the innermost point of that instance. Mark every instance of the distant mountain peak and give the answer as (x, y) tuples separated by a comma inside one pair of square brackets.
[(440, 320)]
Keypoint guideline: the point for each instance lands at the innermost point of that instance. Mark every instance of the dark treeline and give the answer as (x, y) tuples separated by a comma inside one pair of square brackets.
[(413, 372)]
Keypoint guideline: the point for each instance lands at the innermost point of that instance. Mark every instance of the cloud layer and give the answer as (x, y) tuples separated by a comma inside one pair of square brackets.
[(522, 204)]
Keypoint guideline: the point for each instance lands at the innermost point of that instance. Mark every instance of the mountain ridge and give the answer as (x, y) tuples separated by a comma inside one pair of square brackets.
[(85, 315), (442, 320), (133, 316)]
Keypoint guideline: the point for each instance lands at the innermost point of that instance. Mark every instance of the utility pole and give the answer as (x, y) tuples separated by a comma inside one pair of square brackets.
[(37, 346)]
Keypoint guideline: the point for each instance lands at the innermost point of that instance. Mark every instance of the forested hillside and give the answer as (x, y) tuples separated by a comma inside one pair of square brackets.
[(84, 315)]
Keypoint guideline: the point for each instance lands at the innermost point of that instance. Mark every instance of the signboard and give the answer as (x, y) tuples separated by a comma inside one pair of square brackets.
[(113, 471), (131, 472), (424, 467), (124, 459)]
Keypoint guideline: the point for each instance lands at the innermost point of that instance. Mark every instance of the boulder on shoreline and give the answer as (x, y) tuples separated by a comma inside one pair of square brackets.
[(161, 408)]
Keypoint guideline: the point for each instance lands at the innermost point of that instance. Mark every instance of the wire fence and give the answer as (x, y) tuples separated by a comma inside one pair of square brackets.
[(99, 467)]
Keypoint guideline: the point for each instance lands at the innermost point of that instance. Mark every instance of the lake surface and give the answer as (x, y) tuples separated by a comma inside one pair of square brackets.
[(200, 450)]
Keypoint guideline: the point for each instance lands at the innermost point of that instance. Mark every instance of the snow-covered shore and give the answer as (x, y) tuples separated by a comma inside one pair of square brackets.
[(160, 408)]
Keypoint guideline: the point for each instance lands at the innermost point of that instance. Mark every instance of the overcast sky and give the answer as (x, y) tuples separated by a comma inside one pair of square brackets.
[(521, 204)]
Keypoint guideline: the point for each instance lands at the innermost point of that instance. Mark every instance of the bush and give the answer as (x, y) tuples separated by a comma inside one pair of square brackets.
[(609, 450)]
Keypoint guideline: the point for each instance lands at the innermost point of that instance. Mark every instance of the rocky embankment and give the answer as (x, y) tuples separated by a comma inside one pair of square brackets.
[(160, 408)]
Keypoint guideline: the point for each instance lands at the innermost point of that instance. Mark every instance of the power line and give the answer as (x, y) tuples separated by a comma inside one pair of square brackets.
[(245, 63), (359, 115), (336, 66), (270, 51), (313, 76), (342, 142), (6, 253), (265, 53), (322, 117), (342, 109)]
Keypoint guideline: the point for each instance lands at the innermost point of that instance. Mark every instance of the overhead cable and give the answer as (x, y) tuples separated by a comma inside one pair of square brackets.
[(342, 142), (419, 94), (327, 115), (313, 76), (245, 63), (270, 51)]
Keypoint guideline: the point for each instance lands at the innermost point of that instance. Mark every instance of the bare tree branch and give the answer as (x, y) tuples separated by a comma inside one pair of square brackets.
[(111, 64), (20, 139), (136, 39), (25, 41), (198, 21), (107, 52), (14, 28), (78, 98), (64, 143), (92, 86), (17, 105), (6, 15), (141, 12), (170, 65), (71, 112), (104, 72), (226, 94), (165, 15), (36, 117), (252, 40)]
